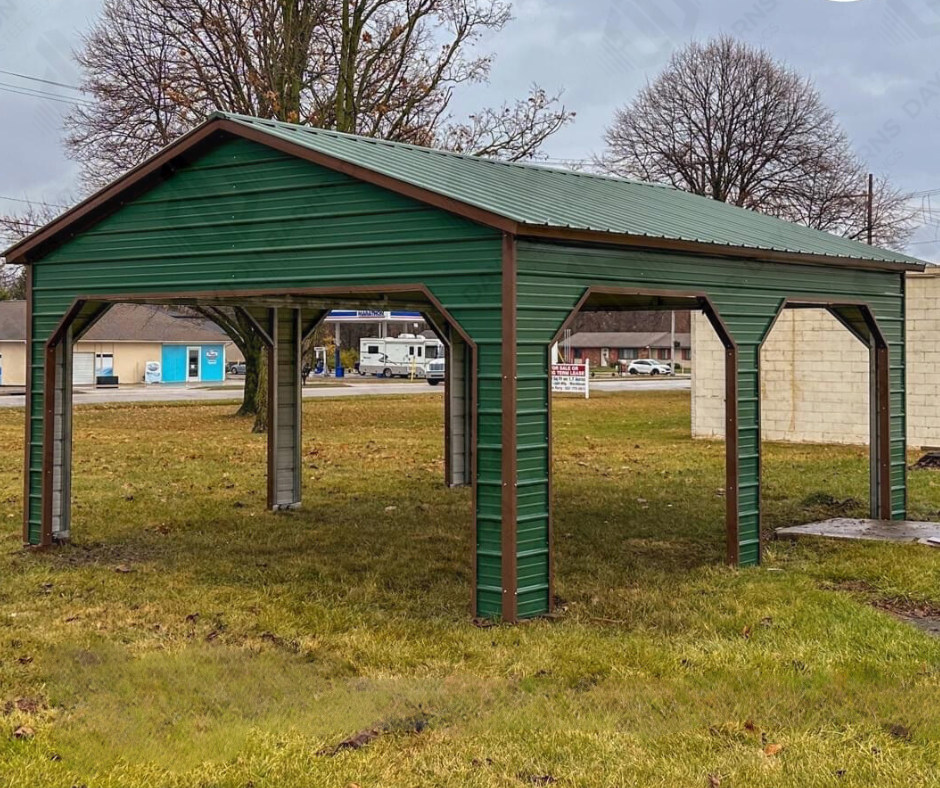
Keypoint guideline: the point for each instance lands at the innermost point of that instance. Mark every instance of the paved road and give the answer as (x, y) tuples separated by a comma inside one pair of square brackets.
[(355, 388)]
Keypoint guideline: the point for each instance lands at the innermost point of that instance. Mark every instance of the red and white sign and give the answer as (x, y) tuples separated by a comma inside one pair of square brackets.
[(571, 378)]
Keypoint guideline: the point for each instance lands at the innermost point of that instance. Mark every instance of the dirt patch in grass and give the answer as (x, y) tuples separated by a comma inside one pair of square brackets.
[(924, 615), (824, 506)]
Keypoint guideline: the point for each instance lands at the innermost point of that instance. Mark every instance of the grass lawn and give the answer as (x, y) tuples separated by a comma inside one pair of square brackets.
[(189, 638)]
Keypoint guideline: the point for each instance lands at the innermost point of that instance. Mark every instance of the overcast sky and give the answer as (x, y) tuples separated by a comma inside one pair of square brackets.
[(876, 63)]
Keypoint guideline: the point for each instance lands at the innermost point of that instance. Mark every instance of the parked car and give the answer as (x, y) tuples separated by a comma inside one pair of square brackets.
[(236, 368), (435, 372), (647, 366)]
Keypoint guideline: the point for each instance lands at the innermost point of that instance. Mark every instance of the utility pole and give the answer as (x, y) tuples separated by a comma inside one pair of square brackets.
[(672, 344), (871, 207)]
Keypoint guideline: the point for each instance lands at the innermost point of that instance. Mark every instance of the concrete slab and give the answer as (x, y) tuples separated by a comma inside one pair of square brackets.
[(870, 530)]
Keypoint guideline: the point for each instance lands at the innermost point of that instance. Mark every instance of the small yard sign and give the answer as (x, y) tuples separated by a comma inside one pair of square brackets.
[(571, 378)]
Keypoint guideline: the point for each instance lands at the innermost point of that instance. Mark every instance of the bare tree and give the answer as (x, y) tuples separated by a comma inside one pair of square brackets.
[(13, 228), (727, 121), (384, 68)]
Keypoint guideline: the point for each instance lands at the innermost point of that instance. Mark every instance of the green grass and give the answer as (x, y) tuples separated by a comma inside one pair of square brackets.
[(240, 644)]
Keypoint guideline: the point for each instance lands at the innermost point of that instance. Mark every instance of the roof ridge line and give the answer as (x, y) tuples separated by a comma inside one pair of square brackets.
[(531, 165)]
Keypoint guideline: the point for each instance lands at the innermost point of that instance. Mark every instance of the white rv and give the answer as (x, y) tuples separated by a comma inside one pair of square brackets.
[(400, 356)]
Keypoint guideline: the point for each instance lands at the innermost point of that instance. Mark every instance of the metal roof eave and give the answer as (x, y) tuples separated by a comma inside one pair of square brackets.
[(757, 254)]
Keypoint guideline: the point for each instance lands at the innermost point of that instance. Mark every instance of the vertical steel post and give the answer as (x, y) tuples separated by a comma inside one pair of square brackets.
[(284, 409), (57, 522)]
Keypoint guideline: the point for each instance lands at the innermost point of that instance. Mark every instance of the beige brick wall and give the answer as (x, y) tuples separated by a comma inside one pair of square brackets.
[(923, 359), (13, 363), (814, 375)]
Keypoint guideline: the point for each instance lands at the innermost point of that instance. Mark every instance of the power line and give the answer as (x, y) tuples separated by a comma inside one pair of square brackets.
[(40, 79), (44, 93), (32, 202), (60, 99)]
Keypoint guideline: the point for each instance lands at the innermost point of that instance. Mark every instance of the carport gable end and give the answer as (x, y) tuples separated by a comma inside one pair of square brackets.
[(287, 221)]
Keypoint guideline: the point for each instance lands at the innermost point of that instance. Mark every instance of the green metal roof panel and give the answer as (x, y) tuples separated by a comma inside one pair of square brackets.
[(544, 197)]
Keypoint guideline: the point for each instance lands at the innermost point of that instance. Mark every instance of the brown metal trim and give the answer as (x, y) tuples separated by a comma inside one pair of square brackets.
[(28, 402), (551, 457), (474, 427), (879, 444), (509, 438), (448, 427), (704, 303), (102, 311), (883, 416), (112, 196), (337, 293), (529, 232), (136, 180), (449, 204), (232, 297)]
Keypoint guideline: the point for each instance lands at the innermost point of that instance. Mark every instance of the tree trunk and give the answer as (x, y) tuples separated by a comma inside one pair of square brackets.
[(260, 391), (254, 399), (241, 331)]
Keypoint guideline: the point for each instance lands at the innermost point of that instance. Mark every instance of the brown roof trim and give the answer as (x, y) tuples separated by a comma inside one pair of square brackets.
[(479, 215), (139, 178), (759, 255), (112, 196)]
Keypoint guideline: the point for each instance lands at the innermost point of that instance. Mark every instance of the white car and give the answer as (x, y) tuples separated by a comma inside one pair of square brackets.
[(647, 366), (435, 373)]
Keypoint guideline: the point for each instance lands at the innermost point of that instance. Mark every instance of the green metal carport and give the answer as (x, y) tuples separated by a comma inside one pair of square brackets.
[(286, 222)]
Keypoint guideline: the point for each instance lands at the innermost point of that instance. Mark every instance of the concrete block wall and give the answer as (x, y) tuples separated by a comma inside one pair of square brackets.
[(815, 376)]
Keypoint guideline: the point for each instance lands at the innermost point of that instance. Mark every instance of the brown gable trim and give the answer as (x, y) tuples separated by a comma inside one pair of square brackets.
[(137, 180), (110, 198)]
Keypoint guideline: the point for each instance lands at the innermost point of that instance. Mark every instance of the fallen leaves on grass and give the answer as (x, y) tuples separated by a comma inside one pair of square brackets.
[(539, 779), (714, 780), (24, 732), (899, 731), (354, 742), (28, 705), (773, 749)]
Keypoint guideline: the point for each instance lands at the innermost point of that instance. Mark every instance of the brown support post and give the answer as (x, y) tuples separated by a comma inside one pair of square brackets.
[(880, 438), (509, 437), (448, 417)]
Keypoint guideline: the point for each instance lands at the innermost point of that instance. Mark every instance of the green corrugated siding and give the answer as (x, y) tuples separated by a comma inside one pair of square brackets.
[(747, 295), (244, 216)]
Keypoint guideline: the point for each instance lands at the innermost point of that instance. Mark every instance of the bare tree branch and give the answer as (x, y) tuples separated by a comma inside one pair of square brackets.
[(727, 121)]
